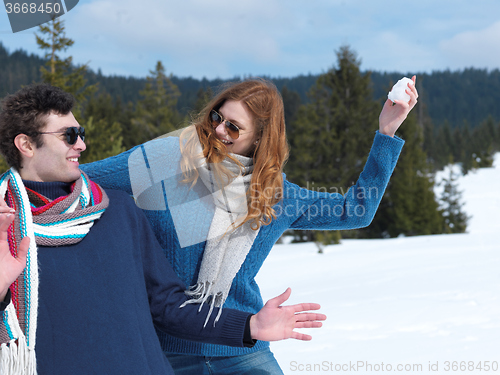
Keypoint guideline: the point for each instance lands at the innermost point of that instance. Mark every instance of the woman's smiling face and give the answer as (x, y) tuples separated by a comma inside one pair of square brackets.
[(237, 113)]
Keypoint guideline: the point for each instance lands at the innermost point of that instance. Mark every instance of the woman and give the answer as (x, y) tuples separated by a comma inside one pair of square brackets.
[(237, 148)]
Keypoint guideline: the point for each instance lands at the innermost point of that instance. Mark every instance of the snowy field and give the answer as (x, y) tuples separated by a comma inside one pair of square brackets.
[(426, 305)]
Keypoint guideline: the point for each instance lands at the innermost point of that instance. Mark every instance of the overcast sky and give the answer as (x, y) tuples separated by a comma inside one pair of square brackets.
[(227, 38)]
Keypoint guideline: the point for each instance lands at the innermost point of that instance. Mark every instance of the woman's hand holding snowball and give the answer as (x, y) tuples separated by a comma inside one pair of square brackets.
[(395, 111)]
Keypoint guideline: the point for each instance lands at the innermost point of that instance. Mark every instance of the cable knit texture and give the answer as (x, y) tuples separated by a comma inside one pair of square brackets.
[(299, 209)]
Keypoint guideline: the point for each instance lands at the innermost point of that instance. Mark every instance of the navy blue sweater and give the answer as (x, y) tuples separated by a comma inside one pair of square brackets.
[(98, 300)]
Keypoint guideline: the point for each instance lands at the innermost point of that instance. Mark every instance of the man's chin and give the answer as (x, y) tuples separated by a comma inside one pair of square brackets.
[(71, 178)]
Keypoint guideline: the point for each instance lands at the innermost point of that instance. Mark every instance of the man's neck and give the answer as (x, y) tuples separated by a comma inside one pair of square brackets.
[(51, 190)]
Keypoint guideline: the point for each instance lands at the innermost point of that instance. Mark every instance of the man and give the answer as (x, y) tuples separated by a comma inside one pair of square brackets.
[(81, 273)]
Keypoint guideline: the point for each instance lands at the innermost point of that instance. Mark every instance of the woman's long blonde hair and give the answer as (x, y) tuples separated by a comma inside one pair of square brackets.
[(265, 104)]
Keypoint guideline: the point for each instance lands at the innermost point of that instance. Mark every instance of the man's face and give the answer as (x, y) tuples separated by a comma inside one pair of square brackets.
[(56, 160)]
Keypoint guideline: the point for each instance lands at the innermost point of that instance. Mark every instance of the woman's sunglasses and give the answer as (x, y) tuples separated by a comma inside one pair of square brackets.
[(71, 134), (217, 119)]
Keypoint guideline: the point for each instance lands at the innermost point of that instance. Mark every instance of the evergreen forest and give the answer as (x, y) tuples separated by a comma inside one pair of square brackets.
[(331, 119)]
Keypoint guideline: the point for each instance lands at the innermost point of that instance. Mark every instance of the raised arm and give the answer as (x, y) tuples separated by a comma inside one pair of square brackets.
[(317, 210), (356, 208)]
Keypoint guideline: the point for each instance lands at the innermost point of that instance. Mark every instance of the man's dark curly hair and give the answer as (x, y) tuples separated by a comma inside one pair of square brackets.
[(25, 112)]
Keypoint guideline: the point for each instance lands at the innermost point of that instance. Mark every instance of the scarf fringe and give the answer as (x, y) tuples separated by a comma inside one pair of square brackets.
[(200, 293), (17, 358)]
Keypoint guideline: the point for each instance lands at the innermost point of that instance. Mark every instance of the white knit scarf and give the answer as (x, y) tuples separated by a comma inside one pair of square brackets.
[(226, 247)]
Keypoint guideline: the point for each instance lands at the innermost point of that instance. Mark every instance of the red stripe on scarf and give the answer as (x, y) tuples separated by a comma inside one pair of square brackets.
[(40, 210), (96, 192), (14, 287)]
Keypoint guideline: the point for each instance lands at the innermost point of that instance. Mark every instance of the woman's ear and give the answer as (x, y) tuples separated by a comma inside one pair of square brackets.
[(24, 145)]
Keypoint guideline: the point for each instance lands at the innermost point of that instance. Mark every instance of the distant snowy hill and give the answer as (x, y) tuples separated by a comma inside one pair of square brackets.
[(426, 305)]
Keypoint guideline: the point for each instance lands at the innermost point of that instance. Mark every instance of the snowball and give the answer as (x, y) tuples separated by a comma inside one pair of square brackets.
[(398, 90)]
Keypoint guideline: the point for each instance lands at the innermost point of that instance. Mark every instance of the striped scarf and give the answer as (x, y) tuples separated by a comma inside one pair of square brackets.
[(62, 221)]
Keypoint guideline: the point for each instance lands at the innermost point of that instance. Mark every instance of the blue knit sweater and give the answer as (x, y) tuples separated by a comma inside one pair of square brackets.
[(299, 209), (101, 299)]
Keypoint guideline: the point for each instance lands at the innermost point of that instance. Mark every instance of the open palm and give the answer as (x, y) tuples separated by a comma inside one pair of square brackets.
[(10, 267), (274, 322)]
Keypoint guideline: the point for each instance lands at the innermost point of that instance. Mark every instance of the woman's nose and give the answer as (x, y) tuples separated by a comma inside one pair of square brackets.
[(221, 129)]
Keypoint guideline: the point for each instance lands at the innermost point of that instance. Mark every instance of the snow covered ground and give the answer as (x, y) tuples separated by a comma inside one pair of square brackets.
[(426, 305)]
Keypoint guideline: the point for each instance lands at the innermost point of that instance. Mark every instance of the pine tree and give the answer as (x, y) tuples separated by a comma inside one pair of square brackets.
[(103, 106), (409, 205), (425, 122), (459, 145), (444, 141), (291, 103), (61, 72), (103, 124), (466, 159), (104, 134), (156, 112), (483, 143), (455, 220), (332, 135), (105, 140), (202, 98)]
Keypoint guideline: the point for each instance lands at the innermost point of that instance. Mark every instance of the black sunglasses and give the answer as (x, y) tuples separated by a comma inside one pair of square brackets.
[(71, 134), (217, 119)]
